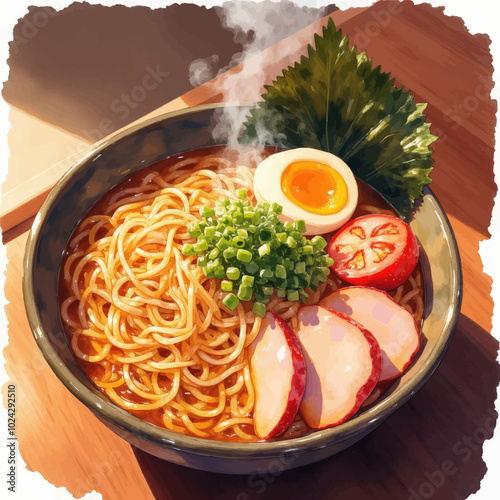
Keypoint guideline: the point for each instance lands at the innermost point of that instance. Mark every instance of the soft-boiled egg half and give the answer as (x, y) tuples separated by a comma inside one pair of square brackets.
[(309, 184)]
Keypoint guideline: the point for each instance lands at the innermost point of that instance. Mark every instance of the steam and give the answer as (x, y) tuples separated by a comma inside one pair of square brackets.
[(202, 70), (256, 25)]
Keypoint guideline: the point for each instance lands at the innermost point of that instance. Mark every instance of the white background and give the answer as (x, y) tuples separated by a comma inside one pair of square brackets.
[(479, 17)]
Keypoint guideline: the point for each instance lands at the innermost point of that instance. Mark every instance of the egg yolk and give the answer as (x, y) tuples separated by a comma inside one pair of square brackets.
[(314, 187)]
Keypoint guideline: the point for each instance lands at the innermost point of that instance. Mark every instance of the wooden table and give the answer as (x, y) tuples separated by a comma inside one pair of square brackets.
[(431, 446)]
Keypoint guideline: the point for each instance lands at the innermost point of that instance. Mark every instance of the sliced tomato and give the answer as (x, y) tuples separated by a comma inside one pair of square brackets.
[(374, 250)]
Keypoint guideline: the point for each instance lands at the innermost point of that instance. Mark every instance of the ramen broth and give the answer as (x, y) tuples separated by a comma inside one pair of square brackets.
[(410, 295)]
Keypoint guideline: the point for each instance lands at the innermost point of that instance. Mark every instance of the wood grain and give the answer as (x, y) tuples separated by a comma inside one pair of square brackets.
[(24, 200), (444, 424), (58, 436)]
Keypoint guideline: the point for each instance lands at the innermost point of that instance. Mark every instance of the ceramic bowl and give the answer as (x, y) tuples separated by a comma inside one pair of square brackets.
[(137, 147)]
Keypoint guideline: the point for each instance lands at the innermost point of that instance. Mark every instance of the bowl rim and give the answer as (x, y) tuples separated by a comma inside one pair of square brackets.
[(104, 408)]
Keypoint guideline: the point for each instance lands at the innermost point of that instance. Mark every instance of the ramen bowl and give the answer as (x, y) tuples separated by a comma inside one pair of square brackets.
[(139, 146)]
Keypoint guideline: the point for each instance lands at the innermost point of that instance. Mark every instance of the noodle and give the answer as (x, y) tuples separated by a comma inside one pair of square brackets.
[(145, 310), (146, 323)]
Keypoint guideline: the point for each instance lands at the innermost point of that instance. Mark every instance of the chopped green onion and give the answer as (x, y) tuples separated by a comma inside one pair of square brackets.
[(300, 225), (275, 243), (233, 273), (238, 242), (325, 270), (220, 272), (259, 309), (201, 246), (262, 298), (314, 282), (231, 301), (212, 264), (319, 242), (209, 231), (193, 229), (264, 249), (188, 249), (230, 252), (247, 247), (251, 267), (266, 273), (206, 211), (307, 249), (245, 293), (244, 255), (280, 271), (223, 243), (247, 280), (309, 260), (322, 277), (300, 267), (273, 218), (214, 253), (226, 286), (282, 237), (277, 209)]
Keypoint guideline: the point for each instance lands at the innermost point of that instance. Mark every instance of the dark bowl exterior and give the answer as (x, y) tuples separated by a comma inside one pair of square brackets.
[(135, 148)]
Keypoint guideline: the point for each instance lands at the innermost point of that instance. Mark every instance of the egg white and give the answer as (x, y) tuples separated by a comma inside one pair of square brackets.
[(267, 187)]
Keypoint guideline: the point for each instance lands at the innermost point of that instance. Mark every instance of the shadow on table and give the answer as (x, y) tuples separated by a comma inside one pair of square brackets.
[(92, 69), (430, 447)]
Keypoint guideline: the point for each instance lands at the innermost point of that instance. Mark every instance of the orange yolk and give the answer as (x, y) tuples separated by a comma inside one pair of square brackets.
[(314, 187)]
